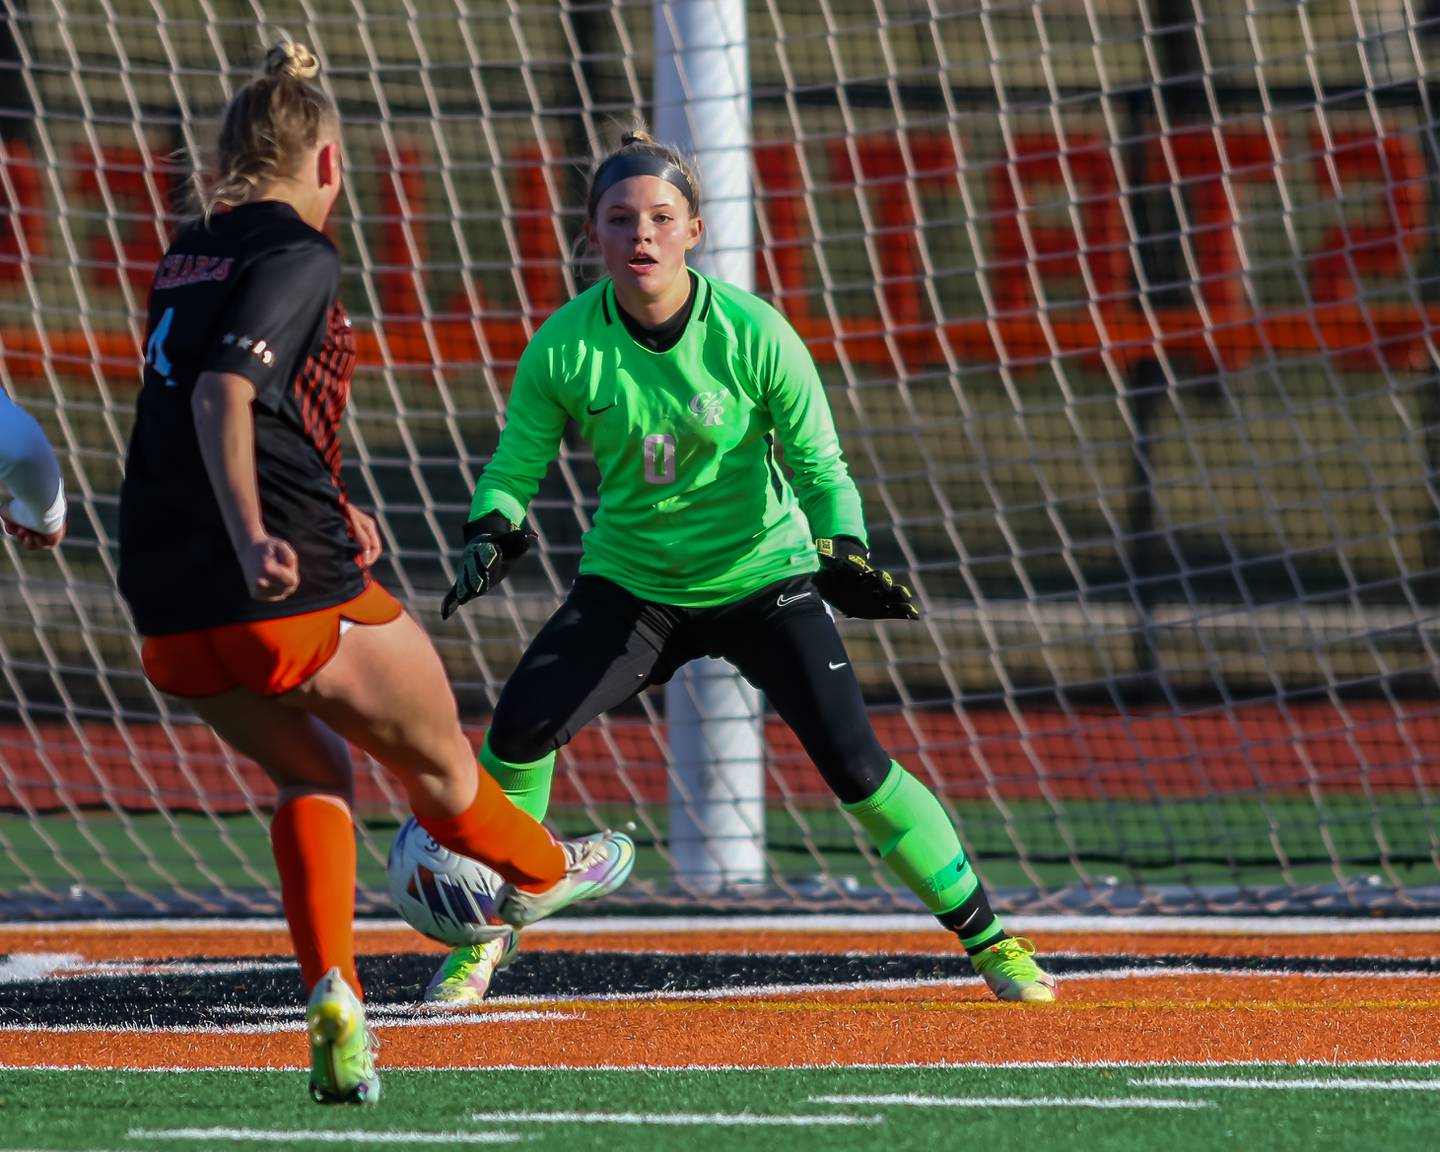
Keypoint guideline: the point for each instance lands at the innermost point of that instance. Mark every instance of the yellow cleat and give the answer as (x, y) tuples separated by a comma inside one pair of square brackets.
[(342, 1050), (1009, 968), (464, 977)]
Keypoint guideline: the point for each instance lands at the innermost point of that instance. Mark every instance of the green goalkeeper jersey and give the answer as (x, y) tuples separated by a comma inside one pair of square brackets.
[(694, 510)]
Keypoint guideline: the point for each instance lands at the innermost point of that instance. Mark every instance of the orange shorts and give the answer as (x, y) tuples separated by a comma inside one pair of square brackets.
[(265, 656)]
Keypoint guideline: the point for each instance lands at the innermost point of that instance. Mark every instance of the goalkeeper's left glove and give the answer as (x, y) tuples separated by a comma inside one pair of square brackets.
[(492, 545), (848, 582)]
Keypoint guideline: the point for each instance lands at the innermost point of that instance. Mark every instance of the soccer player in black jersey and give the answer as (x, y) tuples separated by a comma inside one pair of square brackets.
[(246, 567), (685, 387)]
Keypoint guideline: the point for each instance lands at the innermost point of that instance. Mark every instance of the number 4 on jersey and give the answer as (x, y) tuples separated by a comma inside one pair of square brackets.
[(155, 347)]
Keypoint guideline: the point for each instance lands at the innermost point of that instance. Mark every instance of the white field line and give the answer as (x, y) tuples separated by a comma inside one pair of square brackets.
[(401, 1015), (449, 1019), (274, 1027), (740, 991), (1337, 1084), (677, 1119), (913, 1100), (27, 967), (897, 922), (118, 968), (322, 1136), (170, 1070), (185, 968), (1198, 970), (162, 1030)]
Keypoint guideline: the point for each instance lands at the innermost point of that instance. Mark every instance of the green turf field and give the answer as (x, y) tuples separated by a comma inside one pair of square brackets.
[(1096, 1109), (1183, 842)]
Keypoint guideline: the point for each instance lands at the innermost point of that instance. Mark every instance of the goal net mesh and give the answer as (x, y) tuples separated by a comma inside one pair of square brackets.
[(1124, 311)]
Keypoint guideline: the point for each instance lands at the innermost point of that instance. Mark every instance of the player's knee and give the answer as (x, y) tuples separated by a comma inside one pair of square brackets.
[(855, 771), (521, 739)]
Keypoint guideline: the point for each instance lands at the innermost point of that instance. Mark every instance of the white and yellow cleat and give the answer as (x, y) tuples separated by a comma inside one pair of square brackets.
[(342, 1049), (465, 975), (1009, 968), (596, 865)]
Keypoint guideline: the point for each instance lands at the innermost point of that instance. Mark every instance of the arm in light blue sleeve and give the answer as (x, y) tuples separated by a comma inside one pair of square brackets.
[(534, 423), (29, 470), (806, 430)]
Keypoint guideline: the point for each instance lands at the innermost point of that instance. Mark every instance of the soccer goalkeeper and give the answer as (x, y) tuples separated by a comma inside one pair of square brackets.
[(683, 385)]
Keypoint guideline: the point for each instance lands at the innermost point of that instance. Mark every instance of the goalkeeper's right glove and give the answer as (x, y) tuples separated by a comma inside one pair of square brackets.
[(492, 545)]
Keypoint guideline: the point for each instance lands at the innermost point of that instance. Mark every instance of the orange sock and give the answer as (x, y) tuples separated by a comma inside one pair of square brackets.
[(500, 835), (313, 838)]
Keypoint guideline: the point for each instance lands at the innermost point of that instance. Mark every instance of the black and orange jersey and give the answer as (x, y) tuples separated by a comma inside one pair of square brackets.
[(252, 291)]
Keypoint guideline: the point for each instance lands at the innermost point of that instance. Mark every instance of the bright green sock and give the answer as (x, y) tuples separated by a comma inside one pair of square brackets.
[(916, 839), (527, 785)]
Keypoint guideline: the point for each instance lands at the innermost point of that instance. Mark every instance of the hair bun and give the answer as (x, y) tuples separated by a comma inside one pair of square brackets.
[(291, 58), (636, 136)]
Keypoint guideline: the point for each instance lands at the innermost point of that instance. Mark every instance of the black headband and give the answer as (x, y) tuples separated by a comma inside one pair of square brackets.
[(627, 164)]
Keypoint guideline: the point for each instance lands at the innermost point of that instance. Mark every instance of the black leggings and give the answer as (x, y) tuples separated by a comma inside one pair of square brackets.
[(604, 645)]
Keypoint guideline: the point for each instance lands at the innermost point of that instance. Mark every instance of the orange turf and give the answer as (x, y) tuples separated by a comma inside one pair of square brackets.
[(1172, 1017)]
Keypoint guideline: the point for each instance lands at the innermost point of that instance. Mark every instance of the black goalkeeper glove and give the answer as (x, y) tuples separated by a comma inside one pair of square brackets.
[(847, 582), (492, 545)]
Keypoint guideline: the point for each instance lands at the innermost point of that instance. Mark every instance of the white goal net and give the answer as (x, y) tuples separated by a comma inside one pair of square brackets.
[(1124, 308)]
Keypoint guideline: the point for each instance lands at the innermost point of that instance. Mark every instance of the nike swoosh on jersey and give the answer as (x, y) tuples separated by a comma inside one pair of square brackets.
[(783, 600), (597, 411), (842, 664)]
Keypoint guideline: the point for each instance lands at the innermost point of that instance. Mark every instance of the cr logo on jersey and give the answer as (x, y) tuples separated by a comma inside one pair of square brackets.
[(709, 407)]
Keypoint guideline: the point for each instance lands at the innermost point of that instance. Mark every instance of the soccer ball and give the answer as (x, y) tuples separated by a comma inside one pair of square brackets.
[(441, 894)]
